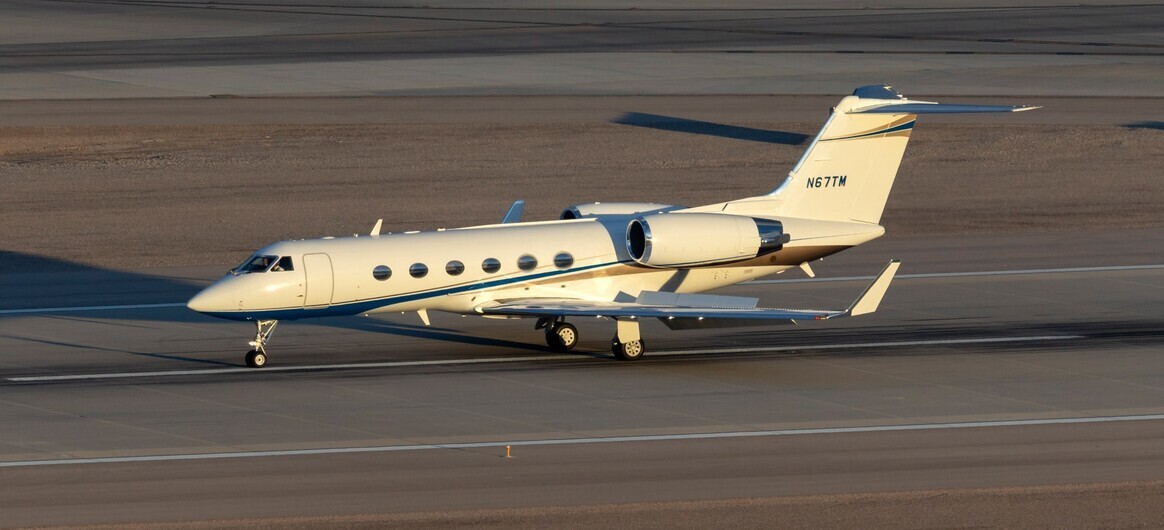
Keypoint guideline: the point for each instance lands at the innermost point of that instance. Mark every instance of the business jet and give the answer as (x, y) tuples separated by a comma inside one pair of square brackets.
[(620, 261)]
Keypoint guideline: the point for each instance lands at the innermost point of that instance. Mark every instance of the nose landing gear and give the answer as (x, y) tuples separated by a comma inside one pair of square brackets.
[(257, 358)]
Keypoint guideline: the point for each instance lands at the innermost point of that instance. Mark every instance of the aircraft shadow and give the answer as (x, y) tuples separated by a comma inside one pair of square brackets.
[(1157, 125), (1092, 335), (684, 125), (36, 282), (375, 325)]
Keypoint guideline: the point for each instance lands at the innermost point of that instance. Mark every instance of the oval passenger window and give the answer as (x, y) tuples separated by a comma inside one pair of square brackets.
[(563, 260), (381, 272), (418, 270)]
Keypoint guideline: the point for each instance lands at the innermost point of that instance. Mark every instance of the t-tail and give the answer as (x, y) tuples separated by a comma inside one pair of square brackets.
[(848, 170)]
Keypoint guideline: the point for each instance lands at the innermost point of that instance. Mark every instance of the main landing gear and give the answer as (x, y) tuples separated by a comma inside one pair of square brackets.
[(257, 358), (562, 336), (627, 351), (627, 344)]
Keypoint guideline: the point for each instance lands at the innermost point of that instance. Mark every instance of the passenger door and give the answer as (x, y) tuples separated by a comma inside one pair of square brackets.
[(319, 281)]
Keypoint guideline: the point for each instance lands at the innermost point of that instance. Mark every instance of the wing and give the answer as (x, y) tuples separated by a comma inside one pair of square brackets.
[(683, 311)]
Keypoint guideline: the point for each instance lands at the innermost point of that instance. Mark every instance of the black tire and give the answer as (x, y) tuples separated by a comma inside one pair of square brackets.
[(630, 351), (562, 336), (256, 359)]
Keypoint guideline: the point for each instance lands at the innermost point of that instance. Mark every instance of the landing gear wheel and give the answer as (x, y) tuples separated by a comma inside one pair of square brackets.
[(256, 359), (628, 351), (561, 336)]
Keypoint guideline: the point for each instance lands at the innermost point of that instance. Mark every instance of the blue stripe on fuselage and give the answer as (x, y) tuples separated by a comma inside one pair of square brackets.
[(364, 306)]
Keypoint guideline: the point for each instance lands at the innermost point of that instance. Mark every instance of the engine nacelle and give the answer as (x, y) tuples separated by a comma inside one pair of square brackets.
[(682, 240), (596, 209)]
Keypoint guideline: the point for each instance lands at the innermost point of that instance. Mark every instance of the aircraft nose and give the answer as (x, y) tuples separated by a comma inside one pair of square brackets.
[(212, 299)]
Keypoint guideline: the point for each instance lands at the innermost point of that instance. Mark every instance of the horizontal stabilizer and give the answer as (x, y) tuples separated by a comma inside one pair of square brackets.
[(939, 108)]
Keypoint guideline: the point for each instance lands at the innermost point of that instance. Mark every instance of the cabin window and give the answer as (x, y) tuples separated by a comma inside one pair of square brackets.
[(256, 264), (454, 268), (563, 260), (491, 265), (418, 270), (381, 272), (527, 262), (284, 264)]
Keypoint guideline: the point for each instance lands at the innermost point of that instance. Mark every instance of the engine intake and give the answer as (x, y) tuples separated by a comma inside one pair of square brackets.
[(698, 239)]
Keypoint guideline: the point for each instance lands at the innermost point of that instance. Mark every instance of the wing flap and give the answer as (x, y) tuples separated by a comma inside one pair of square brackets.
[(682, 311), (710, 323), (585, 308)]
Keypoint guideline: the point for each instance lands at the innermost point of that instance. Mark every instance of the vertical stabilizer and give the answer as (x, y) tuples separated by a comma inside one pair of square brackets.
[(848, 170)]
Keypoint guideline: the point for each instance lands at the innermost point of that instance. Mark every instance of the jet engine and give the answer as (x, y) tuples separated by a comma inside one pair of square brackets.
[(596, 209), (681, 240)]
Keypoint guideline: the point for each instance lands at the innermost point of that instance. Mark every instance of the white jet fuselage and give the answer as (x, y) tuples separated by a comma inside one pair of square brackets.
[(582, 259)]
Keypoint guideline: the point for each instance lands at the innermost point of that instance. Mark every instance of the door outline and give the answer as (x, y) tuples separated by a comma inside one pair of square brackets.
[(318, 281)]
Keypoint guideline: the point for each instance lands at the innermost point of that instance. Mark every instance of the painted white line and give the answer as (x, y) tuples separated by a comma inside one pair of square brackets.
[(88, 308), (965, 274), (559, 357), (583, 441)]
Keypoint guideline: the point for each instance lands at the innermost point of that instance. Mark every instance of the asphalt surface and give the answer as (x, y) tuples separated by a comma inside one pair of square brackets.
[(947, 351), (208, 48), (1012, 377)]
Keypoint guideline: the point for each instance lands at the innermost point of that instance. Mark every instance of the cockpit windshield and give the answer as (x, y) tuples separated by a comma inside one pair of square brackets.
[(256, 264)]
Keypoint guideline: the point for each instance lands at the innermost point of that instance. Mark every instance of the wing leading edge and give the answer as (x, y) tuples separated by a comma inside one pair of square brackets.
[(680, 311)]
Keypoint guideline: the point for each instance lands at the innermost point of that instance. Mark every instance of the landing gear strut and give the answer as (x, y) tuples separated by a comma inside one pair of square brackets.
[(257, 358), (560, 335)]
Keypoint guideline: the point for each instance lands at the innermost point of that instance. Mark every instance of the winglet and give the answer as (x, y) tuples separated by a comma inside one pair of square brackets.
[(514, 213), (871, 298), (376, 229)]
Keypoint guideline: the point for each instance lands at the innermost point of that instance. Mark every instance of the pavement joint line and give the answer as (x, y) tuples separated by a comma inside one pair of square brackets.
[(171, 305), (584, 441), (557, 357)]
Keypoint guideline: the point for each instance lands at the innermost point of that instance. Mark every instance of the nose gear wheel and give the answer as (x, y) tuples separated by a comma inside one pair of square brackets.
[(257, 358)]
